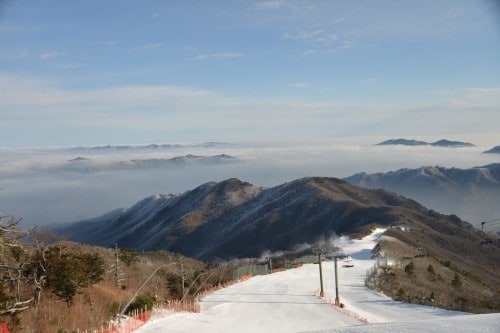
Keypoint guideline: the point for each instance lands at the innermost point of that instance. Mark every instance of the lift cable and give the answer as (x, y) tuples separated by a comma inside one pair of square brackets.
[(489, 223)]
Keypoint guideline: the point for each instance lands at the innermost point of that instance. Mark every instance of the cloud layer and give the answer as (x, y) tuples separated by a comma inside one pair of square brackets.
[(43, 186), (36, 109)]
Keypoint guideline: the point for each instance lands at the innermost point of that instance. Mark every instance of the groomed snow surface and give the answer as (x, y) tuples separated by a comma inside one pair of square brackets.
[(286, 302)]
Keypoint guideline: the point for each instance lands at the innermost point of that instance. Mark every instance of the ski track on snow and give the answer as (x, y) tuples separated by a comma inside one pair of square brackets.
[(285, 302)]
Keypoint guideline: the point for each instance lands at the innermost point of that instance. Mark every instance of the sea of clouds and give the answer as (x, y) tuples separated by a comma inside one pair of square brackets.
[(50, 185)]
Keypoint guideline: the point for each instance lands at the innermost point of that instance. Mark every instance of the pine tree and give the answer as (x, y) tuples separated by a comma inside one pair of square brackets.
[(69, 273), (431, 273), (410, 269), (456, 282), (128, 256)]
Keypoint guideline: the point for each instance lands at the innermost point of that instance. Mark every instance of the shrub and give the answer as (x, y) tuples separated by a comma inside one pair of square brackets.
[(410, 269), (431, 273), (400, 295), (114, 308), (128, 256), (456, 282), (174, 283), (142, 302)]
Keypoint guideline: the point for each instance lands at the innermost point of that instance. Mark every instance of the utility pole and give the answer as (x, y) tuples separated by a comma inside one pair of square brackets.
[(142, 286), (319, 251), (337, 300), (270, 265)]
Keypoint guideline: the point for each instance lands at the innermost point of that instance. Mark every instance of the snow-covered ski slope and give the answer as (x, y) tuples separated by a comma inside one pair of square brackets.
[(286, 302)]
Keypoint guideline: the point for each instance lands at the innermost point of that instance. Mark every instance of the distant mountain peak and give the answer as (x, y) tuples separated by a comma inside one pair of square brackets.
[(78, 159), (472, 193), (448, 143), (494, 150), (439, 143), (404, 142), (83, 164), (152, 146)]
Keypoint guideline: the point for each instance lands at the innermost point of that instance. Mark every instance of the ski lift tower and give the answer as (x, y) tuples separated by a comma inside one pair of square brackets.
[(337, 255), (319, 251), (490, 222)]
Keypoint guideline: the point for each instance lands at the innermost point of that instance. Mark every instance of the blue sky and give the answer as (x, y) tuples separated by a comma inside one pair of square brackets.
[(129, 71)]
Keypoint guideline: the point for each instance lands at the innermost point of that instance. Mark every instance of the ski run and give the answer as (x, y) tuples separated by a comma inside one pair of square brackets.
[(289, 301)]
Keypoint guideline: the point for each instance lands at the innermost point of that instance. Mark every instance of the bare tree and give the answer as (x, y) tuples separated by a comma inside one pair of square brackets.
[(14, 262), (220, 266), (42, 239)]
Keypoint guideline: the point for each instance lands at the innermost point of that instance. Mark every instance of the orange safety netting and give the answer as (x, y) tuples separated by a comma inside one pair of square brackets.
[(130, 324), (4, 328)]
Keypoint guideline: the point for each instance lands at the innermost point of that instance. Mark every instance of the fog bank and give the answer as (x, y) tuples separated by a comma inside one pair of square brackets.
[(44, 185)]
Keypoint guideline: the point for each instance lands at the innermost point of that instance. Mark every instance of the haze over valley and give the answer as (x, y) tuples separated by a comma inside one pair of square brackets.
[(66, 184)]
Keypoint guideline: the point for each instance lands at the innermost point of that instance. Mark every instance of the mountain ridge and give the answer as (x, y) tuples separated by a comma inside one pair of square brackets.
[(149, 146), (471, 193), (83, 164), (439, 143), (232, 218), (494, 150)]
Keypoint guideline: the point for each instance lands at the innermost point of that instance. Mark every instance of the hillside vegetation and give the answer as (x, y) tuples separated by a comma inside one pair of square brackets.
[(51, 285), (441, 269), (234, 219)]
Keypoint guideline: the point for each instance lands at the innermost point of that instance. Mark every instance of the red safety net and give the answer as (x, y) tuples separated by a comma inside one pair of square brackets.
[(4, 328)]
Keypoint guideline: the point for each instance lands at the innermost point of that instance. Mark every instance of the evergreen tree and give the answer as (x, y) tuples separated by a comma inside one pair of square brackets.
[(410, 269), (69, 273), (431, 273), (128, 256), (142, 302), (456, 282)]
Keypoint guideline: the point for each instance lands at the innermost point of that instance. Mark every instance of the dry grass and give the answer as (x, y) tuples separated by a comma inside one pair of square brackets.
[(90, 309), (433, 286), (99, 303)]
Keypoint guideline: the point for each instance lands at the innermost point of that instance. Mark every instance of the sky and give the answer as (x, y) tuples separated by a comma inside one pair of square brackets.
[(137, 72), (295, 88)]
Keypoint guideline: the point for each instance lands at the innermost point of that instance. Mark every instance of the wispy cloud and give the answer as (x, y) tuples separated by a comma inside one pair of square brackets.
[(472, 96), (484, 91), (26, 53), (150, 46), (315, 36), (218, 56), (48, 54), (299, 85), (11, 28), (30, 97), (108, 43), (150, 110), (325, 41), (352, 45), (271, 4)]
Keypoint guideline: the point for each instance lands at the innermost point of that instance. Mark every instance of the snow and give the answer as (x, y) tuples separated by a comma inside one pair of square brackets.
[(286, 302), (457, 324)]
